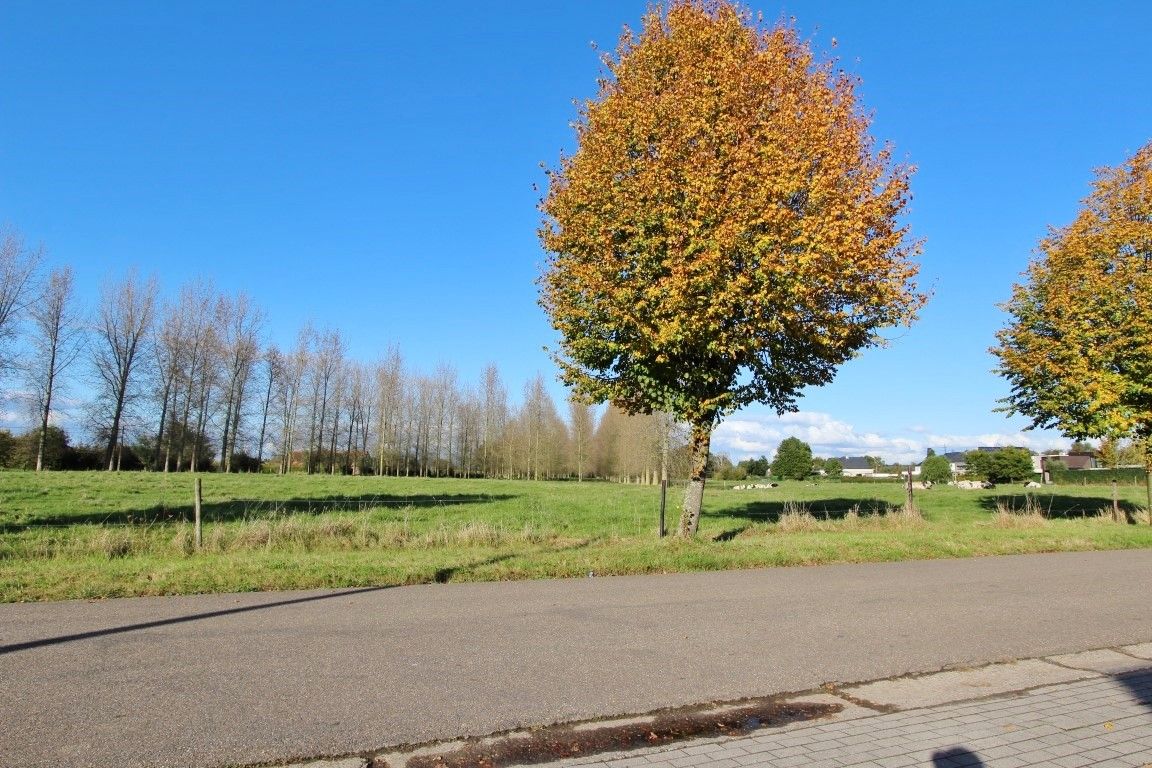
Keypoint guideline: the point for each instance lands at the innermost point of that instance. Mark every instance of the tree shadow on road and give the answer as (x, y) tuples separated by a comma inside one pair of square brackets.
[(448, 573), (46, 641)]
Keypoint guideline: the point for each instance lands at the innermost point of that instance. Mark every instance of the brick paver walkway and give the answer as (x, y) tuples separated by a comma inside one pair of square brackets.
[(1103, 721)]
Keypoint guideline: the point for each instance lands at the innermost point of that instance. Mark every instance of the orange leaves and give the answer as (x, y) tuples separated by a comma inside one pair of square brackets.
[(724, 221)]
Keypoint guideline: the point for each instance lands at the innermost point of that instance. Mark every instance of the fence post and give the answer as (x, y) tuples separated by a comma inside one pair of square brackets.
[(663, 501), (1116, 504), (199, 526), (911, 506)]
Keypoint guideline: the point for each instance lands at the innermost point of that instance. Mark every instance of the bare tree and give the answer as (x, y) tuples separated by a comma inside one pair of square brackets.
[(18, 267), (57, 340), (188, 328), (167, 348), (542, 432), (125, 317), (495, 459), (275, 368), (295, 370), (468, 416), (389, 376), (582, 425), (443, 396), (326, 363), (240, 322)]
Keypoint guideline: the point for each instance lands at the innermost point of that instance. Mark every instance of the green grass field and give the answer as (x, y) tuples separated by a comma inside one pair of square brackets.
[(92, 535)]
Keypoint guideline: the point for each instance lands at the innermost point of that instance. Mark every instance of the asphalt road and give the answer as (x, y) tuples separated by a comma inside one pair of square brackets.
[(236, 679)]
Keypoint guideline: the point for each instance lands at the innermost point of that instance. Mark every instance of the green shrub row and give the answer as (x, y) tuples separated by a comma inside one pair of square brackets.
[(1126, 475)]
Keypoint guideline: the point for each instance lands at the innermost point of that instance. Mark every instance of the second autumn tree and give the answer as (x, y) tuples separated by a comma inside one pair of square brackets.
[(727, 232)]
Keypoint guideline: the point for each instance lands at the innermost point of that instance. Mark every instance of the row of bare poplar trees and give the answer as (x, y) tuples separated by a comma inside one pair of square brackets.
[(192, 383)]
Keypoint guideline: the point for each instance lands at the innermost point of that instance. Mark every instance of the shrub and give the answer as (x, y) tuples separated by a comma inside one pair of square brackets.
[(935, 469)]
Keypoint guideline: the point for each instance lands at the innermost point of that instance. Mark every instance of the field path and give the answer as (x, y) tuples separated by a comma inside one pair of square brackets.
[(234, 679)]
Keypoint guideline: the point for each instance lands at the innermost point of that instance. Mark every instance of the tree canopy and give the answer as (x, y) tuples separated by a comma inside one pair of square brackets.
[(793, 459), (936, 469), (757, 467), (1077, 350), (1006, 465), (727, 232)]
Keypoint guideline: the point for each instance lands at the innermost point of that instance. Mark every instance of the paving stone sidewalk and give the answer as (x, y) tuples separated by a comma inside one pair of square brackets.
[(1104, 720), (1085, 709)]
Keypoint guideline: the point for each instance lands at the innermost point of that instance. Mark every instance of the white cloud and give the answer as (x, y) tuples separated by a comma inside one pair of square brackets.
[(747, 435)]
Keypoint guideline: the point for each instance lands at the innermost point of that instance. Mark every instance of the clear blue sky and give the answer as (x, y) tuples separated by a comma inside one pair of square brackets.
[(370, 166)]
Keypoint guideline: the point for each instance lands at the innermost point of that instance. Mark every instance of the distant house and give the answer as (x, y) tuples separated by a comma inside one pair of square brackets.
[(1070, 460), (957, 462), (856, 466)]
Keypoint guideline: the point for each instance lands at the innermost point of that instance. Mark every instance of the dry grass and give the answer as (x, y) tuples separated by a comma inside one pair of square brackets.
[(354, 532), (798, 519), (1031, 515)]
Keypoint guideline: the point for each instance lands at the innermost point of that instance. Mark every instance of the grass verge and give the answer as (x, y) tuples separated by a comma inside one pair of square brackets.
[(91, 535)]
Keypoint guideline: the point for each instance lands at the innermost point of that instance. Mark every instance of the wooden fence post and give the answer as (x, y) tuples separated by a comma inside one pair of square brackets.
[(1116, 505), (663, 502), (199, 526), (911, 505)]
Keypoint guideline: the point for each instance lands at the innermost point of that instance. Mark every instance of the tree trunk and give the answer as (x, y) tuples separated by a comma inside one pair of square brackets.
[(163, 418), (47, 410), (694, 495), (264, 424), (114, 435)]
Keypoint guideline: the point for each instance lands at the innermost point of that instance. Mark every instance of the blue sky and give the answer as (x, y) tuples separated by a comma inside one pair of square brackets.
[(371, 166)]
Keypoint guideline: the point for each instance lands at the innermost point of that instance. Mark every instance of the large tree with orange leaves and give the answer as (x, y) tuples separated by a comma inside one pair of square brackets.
[(726, 232), (1078, 349)]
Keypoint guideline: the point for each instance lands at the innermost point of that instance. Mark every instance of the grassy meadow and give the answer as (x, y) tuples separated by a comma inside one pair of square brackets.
[(94, 535)]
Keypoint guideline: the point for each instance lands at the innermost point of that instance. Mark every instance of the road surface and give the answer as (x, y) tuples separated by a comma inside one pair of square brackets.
[(235, 679)]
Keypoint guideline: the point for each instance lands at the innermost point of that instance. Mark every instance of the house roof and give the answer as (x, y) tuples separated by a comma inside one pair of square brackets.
[(854, 462)]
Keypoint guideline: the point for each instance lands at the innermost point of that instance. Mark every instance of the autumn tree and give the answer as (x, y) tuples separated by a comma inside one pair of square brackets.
[(727, 232), (1077, 350)]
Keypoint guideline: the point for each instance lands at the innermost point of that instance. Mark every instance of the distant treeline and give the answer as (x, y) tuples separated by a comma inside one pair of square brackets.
[(191, 381)]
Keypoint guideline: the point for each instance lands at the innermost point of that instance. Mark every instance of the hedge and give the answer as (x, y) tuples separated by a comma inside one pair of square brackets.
[(1125, 475)]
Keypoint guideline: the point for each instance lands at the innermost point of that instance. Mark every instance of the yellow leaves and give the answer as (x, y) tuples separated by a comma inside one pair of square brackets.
[(1079, 348), (725, 212)]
